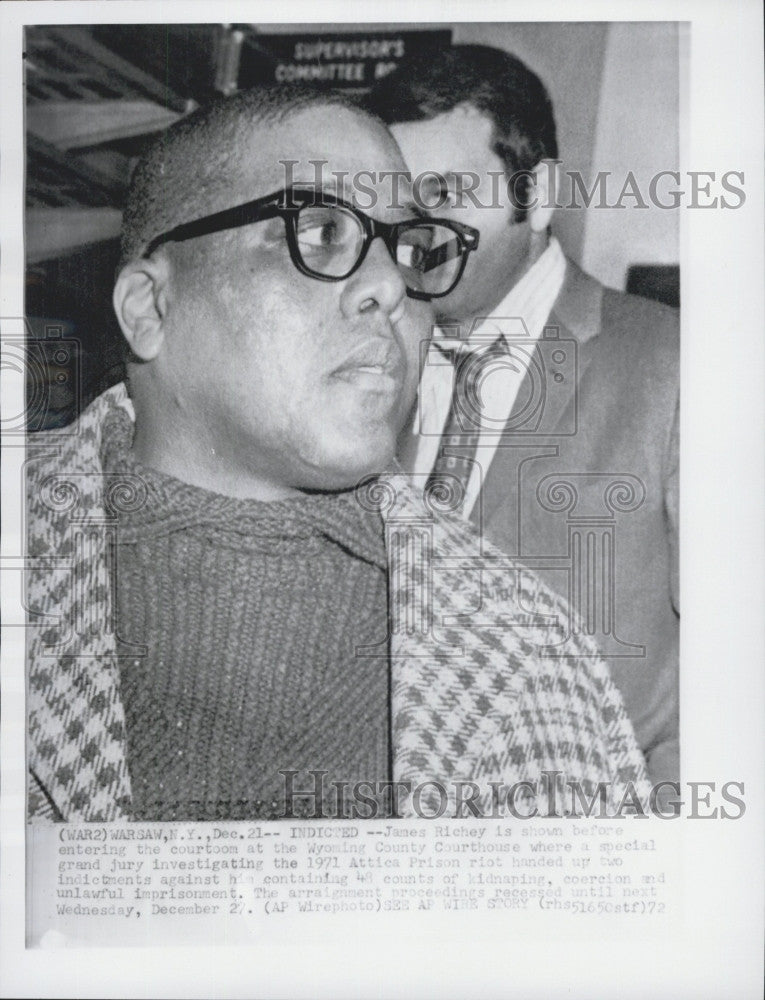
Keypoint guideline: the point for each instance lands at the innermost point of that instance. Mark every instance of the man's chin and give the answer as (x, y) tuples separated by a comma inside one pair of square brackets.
[(345, 470)]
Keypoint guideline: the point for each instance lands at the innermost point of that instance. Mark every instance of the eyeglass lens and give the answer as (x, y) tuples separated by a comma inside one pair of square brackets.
[(429, 257), (331, 239)]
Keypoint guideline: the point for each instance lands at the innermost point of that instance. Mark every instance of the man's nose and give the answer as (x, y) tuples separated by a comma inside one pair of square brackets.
[(378, 284)]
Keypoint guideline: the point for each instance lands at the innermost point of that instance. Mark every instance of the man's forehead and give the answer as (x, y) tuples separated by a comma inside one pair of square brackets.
[(317, 142), (463, 132)]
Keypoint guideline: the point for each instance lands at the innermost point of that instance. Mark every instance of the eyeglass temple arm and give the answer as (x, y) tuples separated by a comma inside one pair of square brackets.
[(228, 218)]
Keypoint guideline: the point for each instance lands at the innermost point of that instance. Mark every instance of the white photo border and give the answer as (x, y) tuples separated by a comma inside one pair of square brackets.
[(717, 951)]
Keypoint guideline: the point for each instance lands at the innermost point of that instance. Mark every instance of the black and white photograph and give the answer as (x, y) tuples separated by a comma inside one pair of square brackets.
[(356, 470)]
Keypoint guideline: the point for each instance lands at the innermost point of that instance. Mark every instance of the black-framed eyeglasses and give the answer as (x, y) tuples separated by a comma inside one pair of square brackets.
[(328, 239)]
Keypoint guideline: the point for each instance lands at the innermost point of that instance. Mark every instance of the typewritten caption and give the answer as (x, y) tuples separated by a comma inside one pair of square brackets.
[(152, 883)]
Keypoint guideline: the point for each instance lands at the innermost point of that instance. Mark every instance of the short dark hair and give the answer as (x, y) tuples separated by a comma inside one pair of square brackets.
[(494, 82), (186, 171)]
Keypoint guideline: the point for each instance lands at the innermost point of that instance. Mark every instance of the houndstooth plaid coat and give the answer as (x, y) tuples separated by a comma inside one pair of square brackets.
[(491, 679)]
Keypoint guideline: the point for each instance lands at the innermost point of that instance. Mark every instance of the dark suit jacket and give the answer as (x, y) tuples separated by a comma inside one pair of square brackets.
[(583, 488)]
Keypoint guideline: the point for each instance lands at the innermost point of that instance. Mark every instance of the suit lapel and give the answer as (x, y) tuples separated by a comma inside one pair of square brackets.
[(575, 317)]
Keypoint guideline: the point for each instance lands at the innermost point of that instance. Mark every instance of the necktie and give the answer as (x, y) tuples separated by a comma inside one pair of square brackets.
[(449, 479)]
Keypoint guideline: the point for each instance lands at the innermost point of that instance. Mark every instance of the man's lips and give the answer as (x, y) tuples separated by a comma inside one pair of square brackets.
[(373, 359)]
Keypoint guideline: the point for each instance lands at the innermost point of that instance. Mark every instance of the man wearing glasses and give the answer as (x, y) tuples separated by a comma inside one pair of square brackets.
[(245, 611)]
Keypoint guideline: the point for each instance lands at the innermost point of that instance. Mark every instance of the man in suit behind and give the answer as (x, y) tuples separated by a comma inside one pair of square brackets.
[(549, 403)]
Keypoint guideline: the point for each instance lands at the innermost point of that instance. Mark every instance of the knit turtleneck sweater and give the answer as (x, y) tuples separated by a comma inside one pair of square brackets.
[(249, 622)]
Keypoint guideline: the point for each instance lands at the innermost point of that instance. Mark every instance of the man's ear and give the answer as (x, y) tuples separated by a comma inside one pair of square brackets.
[(140, 302), (543, 195)]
